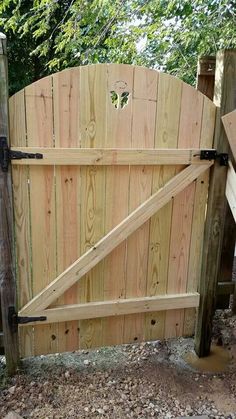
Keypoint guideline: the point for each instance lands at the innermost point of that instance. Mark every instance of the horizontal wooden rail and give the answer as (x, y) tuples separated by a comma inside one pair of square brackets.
[(119, 156), (119, 307), (116, 236), (225, 288), (230, 190)]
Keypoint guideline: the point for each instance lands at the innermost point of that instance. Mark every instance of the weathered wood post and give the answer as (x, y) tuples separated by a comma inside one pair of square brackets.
[(7, 268), (206, 85), (225, 100)]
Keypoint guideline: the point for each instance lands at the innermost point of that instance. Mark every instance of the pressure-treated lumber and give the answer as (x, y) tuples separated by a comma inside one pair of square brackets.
[(205, 84), (166, 136), (7, 267), (119, 131), (40, 128), (206, 75), (140, 188), (114, 238), (230, 191), (66, 86), (20, 176), (229, 122), (119, 307), (116, 156), (223, 98)]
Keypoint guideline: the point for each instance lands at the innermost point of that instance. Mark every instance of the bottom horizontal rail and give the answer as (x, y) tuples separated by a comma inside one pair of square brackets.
[(225, 288), (118, 307)]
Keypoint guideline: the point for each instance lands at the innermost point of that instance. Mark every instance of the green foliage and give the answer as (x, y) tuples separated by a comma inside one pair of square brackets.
[(48, 35)]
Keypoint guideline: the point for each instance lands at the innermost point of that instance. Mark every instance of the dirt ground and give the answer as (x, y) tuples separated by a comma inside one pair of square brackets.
[(148, 380)]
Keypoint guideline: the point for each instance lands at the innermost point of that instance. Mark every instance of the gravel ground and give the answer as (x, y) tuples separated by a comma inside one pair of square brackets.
[(130, 381)]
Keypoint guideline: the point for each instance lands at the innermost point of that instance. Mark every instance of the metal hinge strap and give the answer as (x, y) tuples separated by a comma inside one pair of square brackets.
[(223, 158), (14, 320), (6, 155)]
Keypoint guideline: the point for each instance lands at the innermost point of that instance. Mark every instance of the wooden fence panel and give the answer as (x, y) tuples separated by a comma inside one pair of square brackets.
[(69, 207)]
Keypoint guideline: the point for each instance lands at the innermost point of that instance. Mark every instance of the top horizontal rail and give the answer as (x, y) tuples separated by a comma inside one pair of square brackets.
[(109, 156)]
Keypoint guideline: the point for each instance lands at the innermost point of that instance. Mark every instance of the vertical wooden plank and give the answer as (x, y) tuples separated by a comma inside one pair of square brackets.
[(189, 137), (39, 121), (166, 136), (66, 86), (224, 97), (140, 188), (205, 84), (7, 264), (200, 202), (93, 102), (20, 177), (119, 122)]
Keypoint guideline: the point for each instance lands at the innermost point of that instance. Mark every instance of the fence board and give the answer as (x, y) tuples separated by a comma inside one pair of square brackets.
[(200, 200), (93, 134), (113, 239), (20, 178), (166, 135), (119, 132), (189, 132), (39, 122), (66, 127), (140, 188)]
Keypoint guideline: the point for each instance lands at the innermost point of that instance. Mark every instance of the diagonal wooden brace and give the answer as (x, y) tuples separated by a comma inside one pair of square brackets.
[(109, 242)]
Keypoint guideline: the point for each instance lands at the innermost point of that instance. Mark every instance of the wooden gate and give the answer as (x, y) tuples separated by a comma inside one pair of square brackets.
[(120, 183)]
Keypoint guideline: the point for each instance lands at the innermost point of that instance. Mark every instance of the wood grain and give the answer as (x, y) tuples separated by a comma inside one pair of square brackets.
[(140, 188), (166, 136), (39, 122), (119, 307), (7, 254), (110, 157), (93, 134), (199, 212), (183, 205), (119, 132), (20, 179), (116, 236)]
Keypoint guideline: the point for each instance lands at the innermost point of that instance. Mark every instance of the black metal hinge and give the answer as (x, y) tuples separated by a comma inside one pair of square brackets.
[(14, 319), (223, 158), (6, 154)]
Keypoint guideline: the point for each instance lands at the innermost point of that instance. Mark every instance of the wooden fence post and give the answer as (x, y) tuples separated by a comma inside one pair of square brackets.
[(225, 100), (205, 84), (7, 268)]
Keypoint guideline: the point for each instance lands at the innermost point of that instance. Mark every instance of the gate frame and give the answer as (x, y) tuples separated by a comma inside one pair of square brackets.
[(225, 79)]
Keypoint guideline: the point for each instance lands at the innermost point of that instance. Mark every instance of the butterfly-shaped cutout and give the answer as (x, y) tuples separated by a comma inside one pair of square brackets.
[(119, 101)]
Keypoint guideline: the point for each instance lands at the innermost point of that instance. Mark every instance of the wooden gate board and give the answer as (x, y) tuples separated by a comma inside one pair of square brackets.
[(65, 203)]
